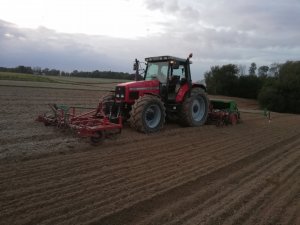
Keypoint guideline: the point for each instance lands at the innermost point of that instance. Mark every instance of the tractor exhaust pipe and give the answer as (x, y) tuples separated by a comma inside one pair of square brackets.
[(136, 68)]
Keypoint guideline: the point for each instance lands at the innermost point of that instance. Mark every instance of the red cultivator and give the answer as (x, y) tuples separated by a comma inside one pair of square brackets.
[(94, 123)]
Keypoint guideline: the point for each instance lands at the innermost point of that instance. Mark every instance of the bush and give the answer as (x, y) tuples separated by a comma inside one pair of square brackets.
[(281, 94), (222, 80), (270, 99), (248, 86)]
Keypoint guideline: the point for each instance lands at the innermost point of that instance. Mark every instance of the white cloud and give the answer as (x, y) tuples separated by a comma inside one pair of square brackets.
[(8, 35), (116, 18)]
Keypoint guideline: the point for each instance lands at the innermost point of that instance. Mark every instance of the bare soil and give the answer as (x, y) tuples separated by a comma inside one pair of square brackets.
[(243, 174)]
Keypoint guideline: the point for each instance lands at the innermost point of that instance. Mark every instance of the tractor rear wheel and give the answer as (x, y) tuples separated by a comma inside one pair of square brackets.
[(148, 114), (194, 110), (197, 90)]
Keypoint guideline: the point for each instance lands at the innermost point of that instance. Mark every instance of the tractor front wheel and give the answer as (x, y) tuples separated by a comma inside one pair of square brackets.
[(148, 114)]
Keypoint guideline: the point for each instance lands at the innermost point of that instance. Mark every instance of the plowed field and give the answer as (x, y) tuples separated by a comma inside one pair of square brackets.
[(243, 174)]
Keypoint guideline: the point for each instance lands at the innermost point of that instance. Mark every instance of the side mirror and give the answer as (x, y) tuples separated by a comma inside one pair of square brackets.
[(188, 58)]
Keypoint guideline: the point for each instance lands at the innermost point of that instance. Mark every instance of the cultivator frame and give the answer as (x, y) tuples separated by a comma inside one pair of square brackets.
[(94, 123)]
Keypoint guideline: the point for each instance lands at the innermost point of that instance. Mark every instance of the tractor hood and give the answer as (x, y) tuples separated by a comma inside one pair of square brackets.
[(143, 84), (131, 91)]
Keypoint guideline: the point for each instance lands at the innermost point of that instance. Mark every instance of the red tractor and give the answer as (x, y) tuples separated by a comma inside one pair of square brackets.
[(166, 91)]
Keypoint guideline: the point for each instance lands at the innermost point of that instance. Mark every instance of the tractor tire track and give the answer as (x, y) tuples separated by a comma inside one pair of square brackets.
[(250, 159)]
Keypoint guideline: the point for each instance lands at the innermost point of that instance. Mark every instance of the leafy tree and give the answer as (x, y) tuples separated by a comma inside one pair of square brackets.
[(76, 73), (4, 69), (222, 80), (23, 69), (37, 70), (248, 86), (54, 72), (242, 70), (263, 71), (211, 80), (281, 93), (289, 81), (274, 69), (252, 69), (270, 98), (45, 71)]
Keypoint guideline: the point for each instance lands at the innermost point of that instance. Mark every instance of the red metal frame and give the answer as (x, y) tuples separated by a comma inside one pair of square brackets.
[(87, 124)]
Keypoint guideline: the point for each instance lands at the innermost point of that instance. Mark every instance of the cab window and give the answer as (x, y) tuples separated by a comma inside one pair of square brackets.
[(157, 70), (179, 72)]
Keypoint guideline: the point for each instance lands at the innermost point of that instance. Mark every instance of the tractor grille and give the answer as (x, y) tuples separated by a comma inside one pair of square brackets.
[(120, 92), (134, 95)]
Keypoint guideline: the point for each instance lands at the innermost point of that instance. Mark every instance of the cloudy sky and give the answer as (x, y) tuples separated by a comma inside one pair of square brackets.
[(109, 35)]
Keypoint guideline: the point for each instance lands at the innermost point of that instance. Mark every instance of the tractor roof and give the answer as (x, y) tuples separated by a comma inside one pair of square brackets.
[(164, 58)]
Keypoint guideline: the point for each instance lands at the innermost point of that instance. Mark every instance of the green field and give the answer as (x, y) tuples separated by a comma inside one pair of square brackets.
[(42, 81), (57, 79), (87, 80), (24, 77)]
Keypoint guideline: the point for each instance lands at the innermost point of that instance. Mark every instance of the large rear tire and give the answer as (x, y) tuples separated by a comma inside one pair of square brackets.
[(148, 114), (194, 110), (198, 90)]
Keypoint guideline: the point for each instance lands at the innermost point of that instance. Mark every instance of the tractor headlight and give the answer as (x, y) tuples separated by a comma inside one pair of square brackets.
[(120, 92)]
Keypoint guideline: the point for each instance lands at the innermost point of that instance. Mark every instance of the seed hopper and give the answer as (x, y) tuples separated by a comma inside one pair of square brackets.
[(223, 112)]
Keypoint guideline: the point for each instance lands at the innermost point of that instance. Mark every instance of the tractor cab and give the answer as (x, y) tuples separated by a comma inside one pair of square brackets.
[(171, 72)]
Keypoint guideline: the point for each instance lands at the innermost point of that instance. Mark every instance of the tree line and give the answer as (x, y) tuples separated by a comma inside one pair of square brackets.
[(276, 87), (75, 73)]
